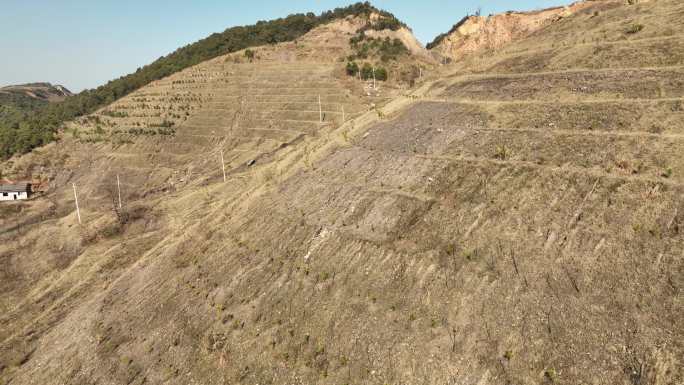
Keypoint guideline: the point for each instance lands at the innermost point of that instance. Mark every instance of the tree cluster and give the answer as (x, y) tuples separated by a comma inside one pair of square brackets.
[(367, 71)]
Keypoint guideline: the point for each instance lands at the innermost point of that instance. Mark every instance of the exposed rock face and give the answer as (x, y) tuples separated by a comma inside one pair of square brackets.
[(475, 33)]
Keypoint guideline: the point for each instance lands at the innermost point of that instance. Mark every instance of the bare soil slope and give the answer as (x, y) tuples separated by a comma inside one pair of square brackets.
[(476, 33), (515, 220)]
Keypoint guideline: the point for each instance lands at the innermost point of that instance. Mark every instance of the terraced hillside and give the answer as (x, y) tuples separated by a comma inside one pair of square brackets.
[(516, 219), (247, 110)]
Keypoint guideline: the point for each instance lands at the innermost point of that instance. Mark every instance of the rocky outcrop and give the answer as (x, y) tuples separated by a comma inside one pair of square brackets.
[(475, 33)]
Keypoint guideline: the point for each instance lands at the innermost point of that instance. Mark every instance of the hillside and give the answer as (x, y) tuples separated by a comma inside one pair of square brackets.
[(19, 105), (40, 91), (40, 128), (513, 218), (476, 33)]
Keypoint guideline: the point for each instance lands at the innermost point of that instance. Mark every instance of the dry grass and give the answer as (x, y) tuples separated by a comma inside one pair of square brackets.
[(503, 229)]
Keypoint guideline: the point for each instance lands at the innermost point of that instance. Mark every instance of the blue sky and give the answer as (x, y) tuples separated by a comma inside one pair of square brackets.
[(84, 43)]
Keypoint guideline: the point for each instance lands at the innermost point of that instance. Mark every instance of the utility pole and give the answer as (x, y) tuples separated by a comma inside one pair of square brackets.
[(320, 109), (374, 79), (118, 187), (223, 166), (78, 211), (343, 117)]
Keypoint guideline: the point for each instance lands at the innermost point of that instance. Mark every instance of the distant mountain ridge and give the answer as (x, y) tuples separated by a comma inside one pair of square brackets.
[(42, 91)]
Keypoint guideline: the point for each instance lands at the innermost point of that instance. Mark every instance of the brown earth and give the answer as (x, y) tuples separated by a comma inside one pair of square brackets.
[(476, 33), (514, 219)]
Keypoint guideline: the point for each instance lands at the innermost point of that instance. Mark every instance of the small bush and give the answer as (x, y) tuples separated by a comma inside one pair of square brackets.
[(352, 68), (367, 72), (501, 153), (164, 124), (551, 375), (381, 74), (634, 28), (249, 54)]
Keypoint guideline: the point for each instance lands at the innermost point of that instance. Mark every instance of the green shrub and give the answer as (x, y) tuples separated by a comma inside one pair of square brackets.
[(352, 68), (387, 49), (380, 74), (391, 49), (386, 22), (367, 72)]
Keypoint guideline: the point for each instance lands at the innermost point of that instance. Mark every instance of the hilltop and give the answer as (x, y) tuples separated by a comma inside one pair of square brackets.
[(19, 105), (41, 91), (514, 217)]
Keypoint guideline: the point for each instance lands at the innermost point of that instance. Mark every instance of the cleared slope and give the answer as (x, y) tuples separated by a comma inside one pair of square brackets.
[(480, 231)]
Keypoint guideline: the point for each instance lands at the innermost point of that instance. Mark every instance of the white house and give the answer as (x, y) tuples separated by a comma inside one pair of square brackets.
[(13, 192)]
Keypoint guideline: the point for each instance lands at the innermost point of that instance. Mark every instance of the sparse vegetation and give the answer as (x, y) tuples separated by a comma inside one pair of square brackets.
[(164, 124), (551, 375), (634, 28), (501, 152), (386, 49), (437, 40)]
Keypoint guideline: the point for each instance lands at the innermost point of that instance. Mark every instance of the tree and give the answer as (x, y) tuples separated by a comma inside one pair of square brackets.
[(381, 74), (367, 72), (249, 54), (352, 68)]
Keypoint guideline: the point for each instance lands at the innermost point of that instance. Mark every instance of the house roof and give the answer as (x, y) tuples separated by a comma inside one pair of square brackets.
[(19, 187)]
